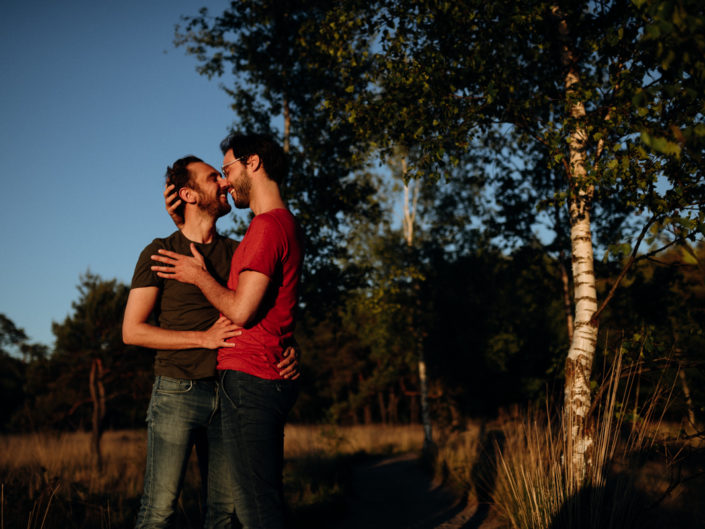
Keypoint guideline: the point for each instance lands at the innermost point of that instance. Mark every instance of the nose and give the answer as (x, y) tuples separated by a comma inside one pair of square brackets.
[(222, 182)]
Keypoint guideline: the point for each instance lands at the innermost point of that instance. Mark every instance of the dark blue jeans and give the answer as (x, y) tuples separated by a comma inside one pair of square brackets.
[(253, 413), (181, 411)]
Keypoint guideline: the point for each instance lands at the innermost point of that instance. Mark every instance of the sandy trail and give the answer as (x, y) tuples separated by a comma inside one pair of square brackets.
[(395, 493)]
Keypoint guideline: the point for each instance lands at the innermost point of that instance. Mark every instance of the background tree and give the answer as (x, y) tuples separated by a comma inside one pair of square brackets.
[(584, 83), (275, 90), (91, 365), (572, 112), (12, 369)]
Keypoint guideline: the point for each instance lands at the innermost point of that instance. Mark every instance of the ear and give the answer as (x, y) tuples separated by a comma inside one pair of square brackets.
[(255, 161), (188, 195)]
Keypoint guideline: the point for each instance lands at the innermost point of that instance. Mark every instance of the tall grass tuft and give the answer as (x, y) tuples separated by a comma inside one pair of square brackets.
[(457, 459), (536, 487)]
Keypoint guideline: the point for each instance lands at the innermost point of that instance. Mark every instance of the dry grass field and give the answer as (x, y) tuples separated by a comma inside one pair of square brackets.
[(47, 480)]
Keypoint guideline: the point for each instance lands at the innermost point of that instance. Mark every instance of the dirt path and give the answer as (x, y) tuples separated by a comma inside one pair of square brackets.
[(395, 493)]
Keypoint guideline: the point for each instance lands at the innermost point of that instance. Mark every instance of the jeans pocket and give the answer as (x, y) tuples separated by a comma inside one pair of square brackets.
[(172, 386)]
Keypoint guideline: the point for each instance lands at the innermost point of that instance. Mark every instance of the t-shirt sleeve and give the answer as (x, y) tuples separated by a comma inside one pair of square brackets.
[(143, 275), (264, 246)]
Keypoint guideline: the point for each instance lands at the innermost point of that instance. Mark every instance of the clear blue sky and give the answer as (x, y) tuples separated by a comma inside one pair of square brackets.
[(95, 101)]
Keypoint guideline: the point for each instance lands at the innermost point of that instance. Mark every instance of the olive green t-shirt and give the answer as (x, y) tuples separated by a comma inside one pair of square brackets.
[(183, 307)]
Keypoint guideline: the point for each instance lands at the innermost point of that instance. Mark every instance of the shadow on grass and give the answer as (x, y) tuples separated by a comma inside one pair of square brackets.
[(484, 474), (664, 493), (395, 492), (316, 488)]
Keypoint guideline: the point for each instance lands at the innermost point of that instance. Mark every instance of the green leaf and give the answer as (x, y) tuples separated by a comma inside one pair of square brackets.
[(661, 144)]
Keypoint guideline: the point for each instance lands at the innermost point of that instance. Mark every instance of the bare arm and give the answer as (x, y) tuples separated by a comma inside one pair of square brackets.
[(239, 306), (136, 330)]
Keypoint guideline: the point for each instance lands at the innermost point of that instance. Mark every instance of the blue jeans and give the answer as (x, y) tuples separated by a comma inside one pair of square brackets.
[(182, 413), (253, 414)]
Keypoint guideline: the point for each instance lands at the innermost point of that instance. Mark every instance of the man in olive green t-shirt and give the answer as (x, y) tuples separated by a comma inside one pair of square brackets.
[(184, 405)]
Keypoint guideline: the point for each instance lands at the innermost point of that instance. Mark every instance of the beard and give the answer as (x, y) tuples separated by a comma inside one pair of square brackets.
[(240, 191), (216, 208)]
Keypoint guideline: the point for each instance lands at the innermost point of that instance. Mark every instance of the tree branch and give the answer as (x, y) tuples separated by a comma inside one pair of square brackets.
[(665, 247), (627, 266)]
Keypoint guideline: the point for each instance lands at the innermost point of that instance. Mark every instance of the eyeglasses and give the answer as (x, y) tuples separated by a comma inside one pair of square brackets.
[(242, 159)]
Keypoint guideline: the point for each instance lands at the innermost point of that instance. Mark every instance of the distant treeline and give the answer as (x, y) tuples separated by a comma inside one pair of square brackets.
[(492, 326)]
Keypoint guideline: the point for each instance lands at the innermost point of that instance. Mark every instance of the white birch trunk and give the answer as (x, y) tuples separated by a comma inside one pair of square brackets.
[(408, 226), (425, 411), (578, 366), (567, 308)]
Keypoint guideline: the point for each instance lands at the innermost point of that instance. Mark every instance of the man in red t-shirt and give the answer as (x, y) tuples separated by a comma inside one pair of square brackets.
[(261, 297)]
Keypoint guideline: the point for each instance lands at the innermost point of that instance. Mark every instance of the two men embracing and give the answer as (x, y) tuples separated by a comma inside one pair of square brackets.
[(189, 278)]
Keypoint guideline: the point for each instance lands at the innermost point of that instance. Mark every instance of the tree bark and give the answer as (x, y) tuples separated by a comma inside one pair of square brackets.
[(382, 407), (97, 391), (393, 407), (688, 399), (578, 366), (425, 411), (567, 308), (367, 413), (690, 419), (408, 224)]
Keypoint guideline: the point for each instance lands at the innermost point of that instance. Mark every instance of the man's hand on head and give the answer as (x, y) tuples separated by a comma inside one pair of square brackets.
[(172, 201), (183, 268)]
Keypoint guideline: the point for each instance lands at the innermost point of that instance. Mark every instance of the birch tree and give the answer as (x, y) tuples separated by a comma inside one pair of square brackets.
[(594, 104), (613, 109), (410, 202)]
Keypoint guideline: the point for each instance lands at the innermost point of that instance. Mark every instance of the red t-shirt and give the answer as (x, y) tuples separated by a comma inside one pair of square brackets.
[(273, 247)]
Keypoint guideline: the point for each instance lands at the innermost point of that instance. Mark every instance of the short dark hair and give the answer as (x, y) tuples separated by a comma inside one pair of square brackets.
[(270, 153), (179, 175)]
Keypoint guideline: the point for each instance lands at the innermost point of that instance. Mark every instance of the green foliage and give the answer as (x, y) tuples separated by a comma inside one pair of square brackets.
[(57, 386), (18, 359), (12, 369), (277, 75), (658, 321)]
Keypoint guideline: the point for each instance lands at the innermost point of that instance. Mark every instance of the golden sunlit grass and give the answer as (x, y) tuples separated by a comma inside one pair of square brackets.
[(515, 462), (458, 455), (372, 439), (537, 488), (639, 465), (48, 480), (66, 457)]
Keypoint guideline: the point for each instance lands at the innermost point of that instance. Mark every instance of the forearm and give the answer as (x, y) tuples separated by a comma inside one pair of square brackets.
[(238, 306), (222, 298), (153, 337)]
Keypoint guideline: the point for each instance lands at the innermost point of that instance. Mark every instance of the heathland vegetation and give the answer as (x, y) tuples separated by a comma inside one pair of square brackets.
[(504, 207)]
